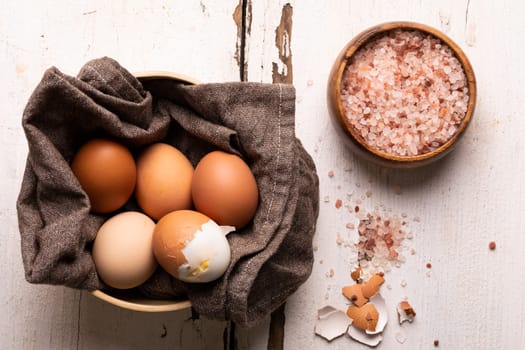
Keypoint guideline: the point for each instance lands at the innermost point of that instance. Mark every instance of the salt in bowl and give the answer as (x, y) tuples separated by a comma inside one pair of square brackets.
[(401, 94)]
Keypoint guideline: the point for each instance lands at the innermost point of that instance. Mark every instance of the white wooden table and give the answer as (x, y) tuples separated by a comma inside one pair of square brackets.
[(471, 298)]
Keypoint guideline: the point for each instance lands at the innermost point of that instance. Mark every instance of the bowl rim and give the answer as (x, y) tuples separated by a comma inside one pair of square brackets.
[(364, 38), (142, 303)]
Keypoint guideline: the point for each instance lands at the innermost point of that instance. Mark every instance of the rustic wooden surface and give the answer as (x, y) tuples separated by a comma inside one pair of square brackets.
[(471, 298)]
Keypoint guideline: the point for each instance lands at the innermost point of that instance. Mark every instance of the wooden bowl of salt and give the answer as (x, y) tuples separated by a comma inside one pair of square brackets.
[(401, 94)]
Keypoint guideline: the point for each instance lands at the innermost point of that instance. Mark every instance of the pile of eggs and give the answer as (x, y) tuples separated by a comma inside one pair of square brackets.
[(185, 214)]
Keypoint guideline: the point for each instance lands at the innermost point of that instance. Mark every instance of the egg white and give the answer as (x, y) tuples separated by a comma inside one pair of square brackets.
[(207, 255)]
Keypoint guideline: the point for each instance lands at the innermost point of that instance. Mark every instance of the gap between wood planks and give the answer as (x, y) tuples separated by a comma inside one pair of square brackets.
[(242, 16)]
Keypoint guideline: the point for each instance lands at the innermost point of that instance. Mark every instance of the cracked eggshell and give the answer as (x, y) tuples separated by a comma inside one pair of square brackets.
[(354, 293), (325, 311), (362, 337), (364, 317), (356, 274), (331, 323), (405, 312), (191, 247), (371, 287), (379, 303)]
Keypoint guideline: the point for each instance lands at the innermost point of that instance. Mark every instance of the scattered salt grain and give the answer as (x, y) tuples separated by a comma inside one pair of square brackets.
[(403, 283), (326, 199), (381, 239), (339, 240), (405, 93), (401, 337)]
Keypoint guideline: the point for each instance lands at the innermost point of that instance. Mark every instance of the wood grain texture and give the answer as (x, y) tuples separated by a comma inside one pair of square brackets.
[(193, 38), (471, 298)]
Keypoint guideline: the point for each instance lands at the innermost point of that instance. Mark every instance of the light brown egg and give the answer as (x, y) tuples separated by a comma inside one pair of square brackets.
[(225, 189), (164, 177), (191, 247), (123, 250), (106, 171)]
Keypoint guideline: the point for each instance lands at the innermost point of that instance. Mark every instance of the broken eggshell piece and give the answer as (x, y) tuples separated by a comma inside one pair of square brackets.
[(368, 321), (405, 312), (379, 303), (371, 287), (331, 323), (362, 337), (364, 317), (354, 293), (356, 274)]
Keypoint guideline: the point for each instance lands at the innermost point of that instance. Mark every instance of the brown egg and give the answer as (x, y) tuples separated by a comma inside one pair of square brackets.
[(107, 173), (122, 252), (225, 189), (191, 247), (164, 178)]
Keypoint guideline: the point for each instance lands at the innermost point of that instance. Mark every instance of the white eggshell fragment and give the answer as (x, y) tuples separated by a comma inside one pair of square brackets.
[(325, 311), (371, 340), (226, 229), (331, 323)]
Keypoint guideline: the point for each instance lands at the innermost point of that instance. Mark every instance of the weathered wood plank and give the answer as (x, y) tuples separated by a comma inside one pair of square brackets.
[(194, 38), (462, 202), (471, 298)]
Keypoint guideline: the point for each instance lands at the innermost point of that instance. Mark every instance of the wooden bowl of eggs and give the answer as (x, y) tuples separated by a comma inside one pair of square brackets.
[(401, 94), (182, 220)]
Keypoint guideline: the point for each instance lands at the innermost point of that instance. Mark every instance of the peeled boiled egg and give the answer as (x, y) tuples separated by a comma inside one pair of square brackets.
[(123, 250), (191, 247), (164, 177), (225, 189), (106, 171)]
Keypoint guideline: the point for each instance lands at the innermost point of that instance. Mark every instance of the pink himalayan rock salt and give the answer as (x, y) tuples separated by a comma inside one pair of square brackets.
[(405, 93)]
